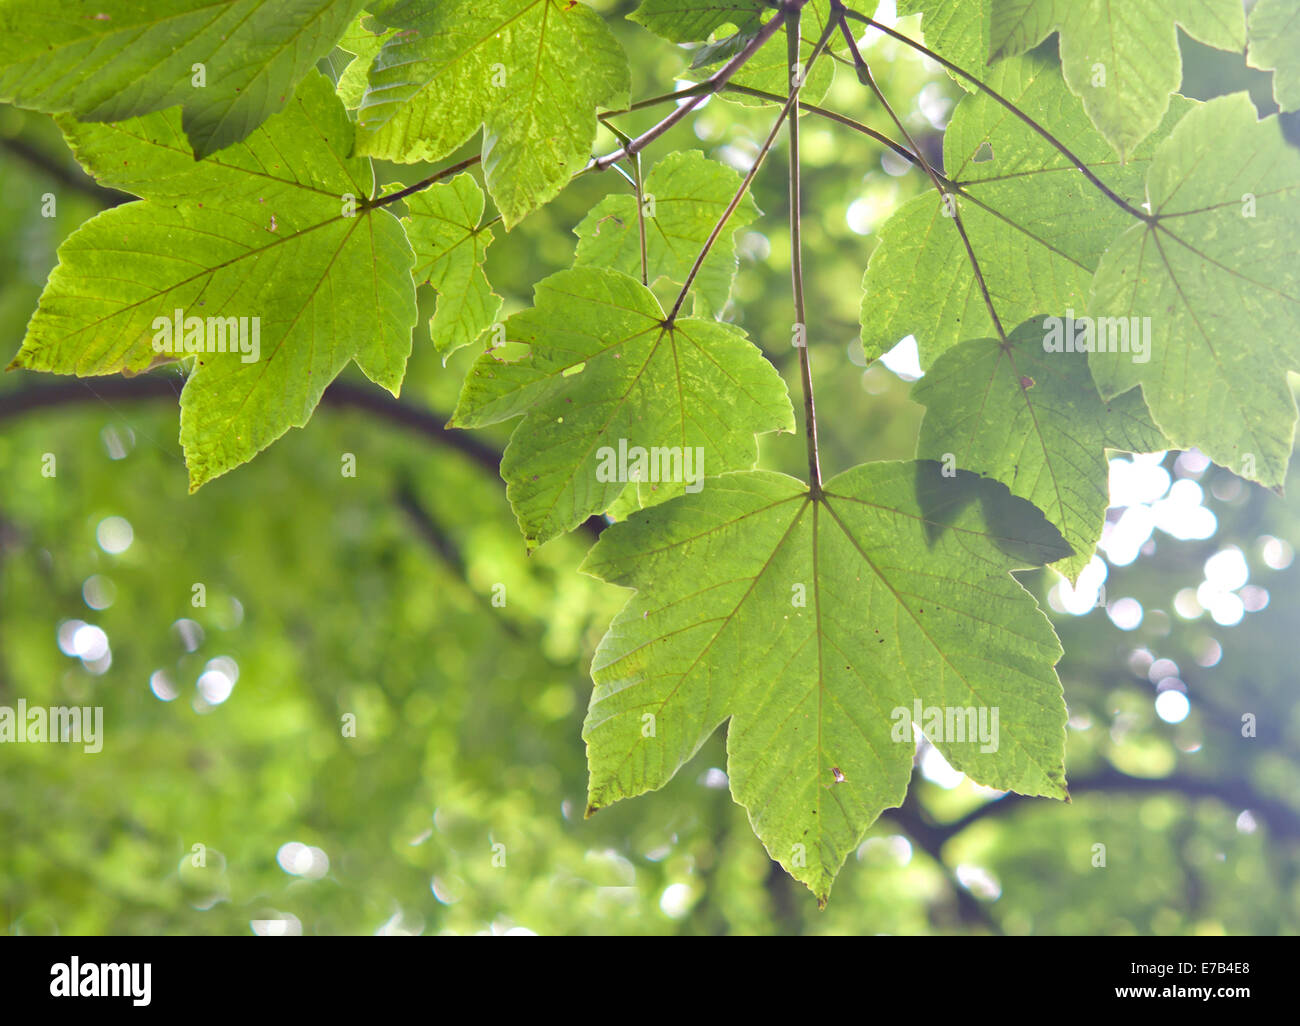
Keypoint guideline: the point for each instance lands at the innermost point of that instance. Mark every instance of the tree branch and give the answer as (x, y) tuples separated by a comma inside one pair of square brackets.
[(746, 182)]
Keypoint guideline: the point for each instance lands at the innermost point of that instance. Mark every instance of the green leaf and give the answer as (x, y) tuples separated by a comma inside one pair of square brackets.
[(604, 370), (1218, 275), (443, 228), (815, 626), (957, 30), (1275, 46), (1121, 59), (115, 59), (531, 72), (257, 231), (364, 44), (693, 21), (1037, 227), (1033, 420), (685, 195)]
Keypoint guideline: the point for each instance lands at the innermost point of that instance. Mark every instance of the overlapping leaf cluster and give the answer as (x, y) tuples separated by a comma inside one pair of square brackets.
[(1074, 187)]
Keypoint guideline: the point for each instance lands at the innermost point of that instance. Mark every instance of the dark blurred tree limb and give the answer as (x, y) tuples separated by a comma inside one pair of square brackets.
[(340, 395), (64, 174), (1280, 818)]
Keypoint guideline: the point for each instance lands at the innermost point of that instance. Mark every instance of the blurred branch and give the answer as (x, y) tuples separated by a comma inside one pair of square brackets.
[(930, 838), (437, 538), (63, 174), (340, 395), (1283, 820)]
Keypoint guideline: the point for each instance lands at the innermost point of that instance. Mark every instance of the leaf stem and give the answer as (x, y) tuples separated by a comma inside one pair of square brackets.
[(636, 182), (714, 82), (640, 218), (748, 179), (797, 73), (866, 78), (437, 176), (1064, 150), (706, 88), (836, 116)]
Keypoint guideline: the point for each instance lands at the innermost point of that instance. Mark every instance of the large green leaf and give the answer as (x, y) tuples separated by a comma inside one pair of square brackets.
[(603, 369), (531, 72), (1036, 225), (108, 60), (1218, 277), (1275, 45), (256, 231), (450, 244), (685, 195), (1121, 59), (1032, 419), (815, 626)]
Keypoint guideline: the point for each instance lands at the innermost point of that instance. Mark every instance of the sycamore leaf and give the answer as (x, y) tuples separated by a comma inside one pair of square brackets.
[(1036, 225), (817, 627), (255, 238), (957, 30), (115, 59), (685, 194), (1121, 59), (363, 40), (531, 72), (1275, 45), (444, 230), (605, 374), (1032, 419), (1216, 281)]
